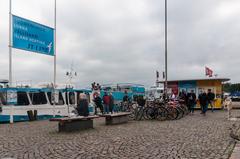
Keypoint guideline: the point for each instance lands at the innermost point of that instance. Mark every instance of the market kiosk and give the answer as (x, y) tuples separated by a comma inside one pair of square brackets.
[(199, 85)]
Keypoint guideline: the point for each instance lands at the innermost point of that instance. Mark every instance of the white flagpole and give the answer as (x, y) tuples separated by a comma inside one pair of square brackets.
[(10, 43), (10, 54), (55, 54), (55, 38)]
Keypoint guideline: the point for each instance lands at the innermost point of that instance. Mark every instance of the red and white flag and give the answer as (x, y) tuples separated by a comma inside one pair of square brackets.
[(208, 72)]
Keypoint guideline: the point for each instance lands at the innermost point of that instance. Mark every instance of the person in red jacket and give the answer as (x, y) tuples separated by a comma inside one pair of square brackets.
[(106, 102)]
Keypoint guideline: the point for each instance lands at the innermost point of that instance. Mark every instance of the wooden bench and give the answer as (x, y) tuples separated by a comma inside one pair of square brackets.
[(68, 124), (117, 118)]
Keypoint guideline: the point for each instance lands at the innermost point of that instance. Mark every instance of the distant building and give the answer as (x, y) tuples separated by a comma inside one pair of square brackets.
[(198, 85)]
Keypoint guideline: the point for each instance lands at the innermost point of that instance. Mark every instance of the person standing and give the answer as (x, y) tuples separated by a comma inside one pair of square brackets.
[(111, 103), (141, 101), (106, 102), (227, 105), (191, 101), (211, 97), (125, 97), (173, 96), (82, 106), (183, 97), (126, 102), (98, 101), (203, 99)]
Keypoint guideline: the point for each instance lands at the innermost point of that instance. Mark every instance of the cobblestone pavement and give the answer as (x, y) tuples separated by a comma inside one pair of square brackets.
[(190, 137)]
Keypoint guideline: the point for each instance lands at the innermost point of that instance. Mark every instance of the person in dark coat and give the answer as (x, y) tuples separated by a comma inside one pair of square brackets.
[(211, 97), (98, 101), (141, 101), (183, 97), (111, 103), (125, 97), (106, 102), (203, 99), (191, 101), (82, 107)]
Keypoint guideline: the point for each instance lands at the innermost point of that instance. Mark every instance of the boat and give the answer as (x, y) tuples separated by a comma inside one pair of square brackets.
[(118, 91), (16, 102), (154, 92)]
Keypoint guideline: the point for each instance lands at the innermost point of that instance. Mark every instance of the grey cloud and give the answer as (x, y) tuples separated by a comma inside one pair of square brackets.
[(123, 41)]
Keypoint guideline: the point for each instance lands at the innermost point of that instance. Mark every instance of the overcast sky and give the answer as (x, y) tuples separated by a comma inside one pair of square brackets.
[(114, 41)]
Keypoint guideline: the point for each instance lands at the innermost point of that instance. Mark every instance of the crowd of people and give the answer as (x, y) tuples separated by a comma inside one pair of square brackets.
[(204, 98), (106, 103)]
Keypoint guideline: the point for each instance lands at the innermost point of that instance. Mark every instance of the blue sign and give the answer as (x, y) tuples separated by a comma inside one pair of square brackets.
[(32, 36)]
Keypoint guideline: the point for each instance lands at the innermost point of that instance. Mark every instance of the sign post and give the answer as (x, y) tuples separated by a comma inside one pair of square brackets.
[(10, 43), (28, 35), (10, 54), (55, 58)]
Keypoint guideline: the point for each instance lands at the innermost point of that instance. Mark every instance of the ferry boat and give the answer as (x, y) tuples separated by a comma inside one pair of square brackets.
[(16, 102), (154, 92), (118, 91)]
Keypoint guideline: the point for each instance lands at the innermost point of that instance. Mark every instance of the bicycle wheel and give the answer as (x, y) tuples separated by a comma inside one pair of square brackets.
[(150, 113), (172, 113), (138, 115), (185, 109), (132, 115), (180, 112), (161, 113), (144, 113)]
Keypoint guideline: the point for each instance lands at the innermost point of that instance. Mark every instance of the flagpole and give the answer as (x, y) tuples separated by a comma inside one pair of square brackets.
[(10, 43), (10, 55), (55, 38), (166, 75), (55, 54)]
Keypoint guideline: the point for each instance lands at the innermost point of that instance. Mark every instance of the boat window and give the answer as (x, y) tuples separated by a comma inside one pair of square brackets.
[(66, 97), (38, 98), (60, 98), (71, 98), (22, 98), (49, 95), (3, 100)]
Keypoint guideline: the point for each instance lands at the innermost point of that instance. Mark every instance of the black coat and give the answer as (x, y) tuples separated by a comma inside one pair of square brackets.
[(203, 99), (82, 107), (141, 101), (191, 98), (98, 102), (211, 96), (111, 101)]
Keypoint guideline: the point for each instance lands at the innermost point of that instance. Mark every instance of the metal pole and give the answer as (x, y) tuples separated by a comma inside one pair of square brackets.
[(55, 38), (166, 75), (55, 59), (10, 43), (10, 55)]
